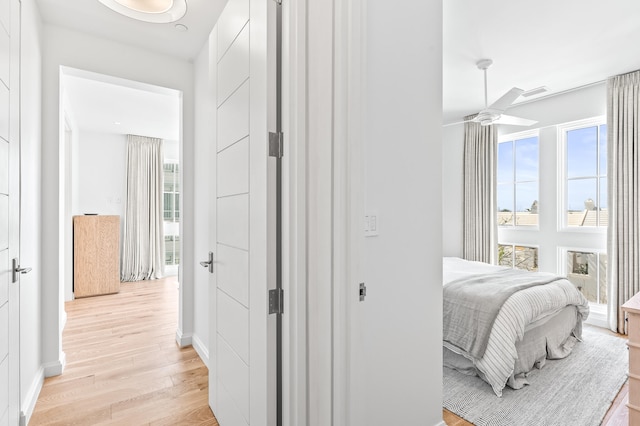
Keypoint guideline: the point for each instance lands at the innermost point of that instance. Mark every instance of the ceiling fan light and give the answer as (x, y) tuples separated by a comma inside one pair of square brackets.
[(154, 11)]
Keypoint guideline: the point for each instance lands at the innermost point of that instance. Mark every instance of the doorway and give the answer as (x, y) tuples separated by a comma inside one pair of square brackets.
[(97, 113)]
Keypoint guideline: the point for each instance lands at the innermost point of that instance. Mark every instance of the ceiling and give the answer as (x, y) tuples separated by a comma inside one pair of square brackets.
[(104, 104), (92, 17), (559, 44)]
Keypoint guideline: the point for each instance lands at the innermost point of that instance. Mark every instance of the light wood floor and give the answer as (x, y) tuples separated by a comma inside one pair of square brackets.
[(123, 364), (618, 414)]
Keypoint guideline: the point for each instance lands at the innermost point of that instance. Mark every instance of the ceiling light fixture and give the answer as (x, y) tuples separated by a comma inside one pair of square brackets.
[(154, 11)]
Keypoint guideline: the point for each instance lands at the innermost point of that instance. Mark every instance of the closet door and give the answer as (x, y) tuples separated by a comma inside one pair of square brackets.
[(9, 211), (239, 322)]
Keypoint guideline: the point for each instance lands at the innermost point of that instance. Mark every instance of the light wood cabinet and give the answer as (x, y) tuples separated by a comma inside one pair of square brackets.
[(632, 308), (96, 255)]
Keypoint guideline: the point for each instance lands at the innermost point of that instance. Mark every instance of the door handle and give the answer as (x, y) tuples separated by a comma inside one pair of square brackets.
[(208, 263), (18, 270)]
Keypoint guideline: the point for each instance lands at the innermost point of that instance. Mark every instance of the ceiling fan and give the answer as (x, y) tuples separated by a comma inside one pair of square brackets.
[(493, 114)]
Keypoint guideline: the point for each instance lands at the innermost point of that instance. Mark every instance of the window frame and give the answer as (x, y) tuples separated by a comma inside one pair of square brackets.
[(561, 166), (513, 246), (513, 137)]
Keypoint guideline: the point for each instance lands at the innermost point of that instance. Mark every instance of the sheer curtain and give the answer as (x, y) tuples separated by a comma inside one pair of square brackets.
[(480, 228), (143, 240), (623, 243)]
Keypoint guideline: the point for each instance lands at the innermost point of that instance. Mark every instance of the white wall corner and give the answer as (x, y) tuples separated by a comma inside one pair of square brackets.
[(201, 349), (29, 403), (183, 340), (55, 368)]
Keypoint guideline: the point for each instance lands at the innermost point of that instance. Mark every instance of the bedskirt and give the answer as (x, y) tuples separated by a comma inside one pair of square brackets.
[(552, 337)]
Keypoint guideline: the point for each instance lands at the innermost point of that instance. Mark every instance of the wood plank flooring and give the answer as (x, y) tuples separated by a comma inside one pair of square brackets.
[(124, 366), (618, 414)]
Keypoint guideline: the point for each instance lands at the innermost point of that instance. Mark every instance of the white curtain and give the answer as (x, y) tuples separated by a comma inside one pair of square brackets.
[(623, 140), (143, 240), (480, 157)]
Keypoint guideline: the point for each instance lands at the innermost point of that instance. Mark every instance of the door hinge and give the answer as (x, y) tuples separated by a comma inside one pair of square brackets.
[(362, 291), (276, 143), (276, 301)]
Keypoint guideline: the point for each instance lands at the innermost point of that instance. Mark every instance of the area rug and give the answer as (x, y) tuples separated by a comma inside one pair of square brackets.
[(577, 390)]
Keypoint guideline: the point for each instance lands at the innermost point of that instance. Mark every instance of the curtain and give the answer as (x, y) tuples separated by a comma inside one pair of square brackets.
[(143, 240), (623, 149), (480, 228)]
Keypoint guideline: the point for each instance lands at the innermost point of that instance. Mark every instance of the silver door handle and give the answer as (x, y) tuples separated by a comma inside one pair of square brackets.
[(18, 270), (208, 263)]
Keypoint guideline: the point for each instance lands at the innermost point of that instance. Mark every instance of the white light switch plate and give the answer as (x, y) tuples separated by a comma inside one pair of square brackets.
[(371, 224)]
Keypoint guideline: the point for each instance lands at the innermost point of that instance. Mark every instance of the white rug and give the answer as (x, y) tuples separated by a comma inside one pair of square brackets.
[(575, 391)]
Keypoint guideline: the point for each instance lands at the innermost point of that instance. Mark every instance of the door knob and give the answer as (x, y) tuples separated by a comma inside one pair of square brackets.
[(18, 270), (208, 263)]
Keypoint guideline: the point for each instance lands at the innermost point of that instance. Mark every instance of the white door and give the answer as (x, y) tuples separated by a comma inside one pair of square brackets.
[(9, 210), (238, 383)]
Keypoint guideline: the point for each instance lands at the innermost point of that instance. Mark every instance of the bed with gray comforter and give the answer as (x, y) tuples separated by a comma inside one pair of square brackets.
[(500, 323)]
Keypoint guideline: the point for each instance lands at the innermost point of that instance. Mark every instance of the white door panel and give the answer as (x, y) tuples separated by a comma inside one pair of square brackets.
[(233, 221), (5, 276), (5, 53), (233, 272), (4, 392), (4, 173), (9, 210), (234, 17), (233, 117), (233, 68), (4, 331), (4, 221), (233, 375), (239, 368), (233, 169), (4, 112), (227, 411), (233, 324)]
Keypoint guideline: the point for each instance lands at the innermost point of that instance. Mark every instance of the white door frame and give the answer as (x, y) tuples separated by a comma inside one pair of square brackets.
[(323, 59)]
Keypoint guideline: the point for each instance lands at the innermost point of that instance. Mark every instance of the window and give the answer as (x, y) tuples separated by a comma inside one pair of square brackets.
[(586, 176), (519, 257), (171, 200), (588, 272), (171, 193), (517, 182), (172, 250)]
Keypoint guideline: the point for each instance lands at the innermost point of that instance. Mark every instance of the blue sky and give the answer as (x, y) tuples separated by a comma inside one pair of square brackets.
[(582, 168)]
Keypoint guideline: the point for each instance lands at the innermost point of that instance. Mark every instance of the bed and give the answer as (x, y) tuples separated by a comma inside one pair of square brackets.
[(501, 323)]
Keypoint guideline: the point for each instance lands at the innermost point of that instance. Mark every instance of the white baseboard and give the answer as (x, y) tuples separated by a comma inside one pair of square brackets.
[(183, 340), (201, 349), (29, 404), (55, 368), (442, 423)]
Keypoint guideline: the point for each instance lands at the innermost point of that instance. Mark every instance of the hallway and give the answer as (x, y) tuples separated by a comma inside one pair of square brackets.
[(123, 365)]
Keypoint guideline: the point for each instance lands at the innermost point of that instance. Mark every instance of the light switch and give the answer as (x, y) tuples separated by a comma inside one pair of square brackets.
[(371, 224)]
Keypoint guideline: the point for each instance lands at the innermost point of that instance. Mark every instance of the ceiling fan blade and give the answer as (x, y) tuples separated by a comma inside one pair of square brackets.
[(506, 100), (514, 121)]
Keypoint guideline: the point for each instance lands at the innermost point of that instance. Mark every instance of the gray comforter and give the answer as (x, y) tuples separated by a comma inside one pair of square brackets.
[(471, 305)]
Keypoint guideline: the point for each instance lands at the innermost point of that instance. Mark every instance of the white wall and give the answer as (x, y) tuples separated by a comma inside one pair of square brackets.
[(452, 190), (205, 137), (100, 161), (403, 184), (575, 105), (31, 372), (62, 47)]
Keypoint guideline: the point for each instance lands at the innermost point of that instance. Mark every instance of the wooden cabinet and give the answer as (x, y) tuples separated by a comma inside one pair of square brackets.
[(96, 255), (632, 308)]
